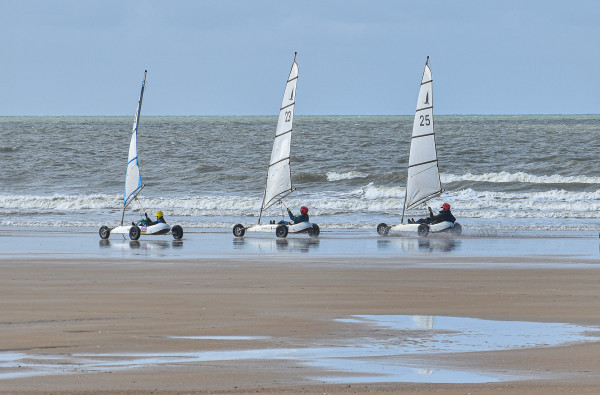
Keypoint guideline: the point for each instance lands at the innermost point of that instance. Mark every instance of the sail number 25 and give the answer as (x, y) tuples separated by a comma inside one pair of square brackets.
[(425, 120), (288, 116)]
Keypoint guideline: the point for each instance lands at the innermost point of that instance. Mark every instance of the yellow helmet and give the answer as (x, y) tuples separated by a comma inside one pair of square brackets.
[(159, 214)]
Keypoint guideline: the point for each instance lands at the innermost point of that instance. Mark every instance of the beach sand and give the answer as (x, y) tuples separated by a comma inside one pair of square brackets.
[(160, 319)]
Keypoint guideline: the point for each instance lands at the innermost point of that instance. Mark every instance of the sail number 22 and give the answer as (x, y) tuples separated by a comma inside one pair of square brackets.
[(288, 116), (425, 120)]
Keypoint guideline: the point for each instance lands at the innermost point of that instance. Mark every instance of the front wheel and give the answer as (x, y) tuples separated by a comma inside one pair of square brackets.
[(239, 230), (104, 232), (314, 231), (281, 231), (134, 233), (177, 232), (457, 229), (383, 229), (423, 230)]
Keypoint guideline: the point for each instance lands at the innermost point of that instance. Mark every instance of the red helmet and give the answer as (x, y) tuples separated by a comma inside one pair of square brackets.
[(445, 207), (303, 210)]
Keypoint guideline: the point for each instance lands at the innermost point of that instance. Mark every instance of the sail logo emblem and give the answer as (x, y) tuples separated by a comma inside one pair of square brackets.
[(292, 95), (426, 98)]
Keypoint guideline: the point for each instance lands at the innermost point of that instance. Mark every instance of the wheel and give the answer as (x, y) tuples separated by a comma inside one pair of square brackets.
[(281, 231), (423, 230), (239, 230), (134, 233), (104, 232), (314, 231), (457, 229), (383, 229), (177, 232)]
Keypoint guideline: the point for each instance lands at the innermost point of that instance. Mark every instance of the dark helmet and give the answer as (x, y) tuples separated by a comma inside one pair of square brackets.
[(445, 207), (303, 210)]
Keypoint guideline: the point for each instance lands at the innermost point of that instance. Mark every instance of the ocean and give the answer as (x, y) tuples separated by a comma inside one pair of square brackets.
[(501, 174)]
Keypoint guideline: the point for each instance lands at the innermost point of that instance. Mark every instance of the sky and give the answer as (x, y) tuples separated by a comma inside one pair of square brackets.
[(232, 57)]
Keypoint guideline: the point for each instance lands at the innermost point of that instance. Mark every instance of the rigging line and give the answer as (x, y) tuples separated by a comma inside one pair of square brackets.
[(278, 198), (423, 163), (423, 135), (289, 105), (283, 204), (425, 199), (424, 170), (286, 132)]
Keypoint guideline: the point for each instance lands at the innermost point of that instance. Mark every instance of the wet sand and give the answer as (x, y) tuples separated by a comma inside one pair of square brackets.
[(217, 315)]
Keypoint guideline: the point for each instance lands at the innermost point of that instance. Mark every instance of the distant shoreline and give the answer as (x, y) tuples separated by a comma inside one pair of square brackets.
[(302, 116)]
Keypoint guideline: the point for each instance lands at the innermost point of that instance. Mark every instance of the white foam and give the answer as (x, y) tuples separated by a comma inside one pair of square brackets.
[(358, 208), (334, 176), (520, 177), (372, 191)]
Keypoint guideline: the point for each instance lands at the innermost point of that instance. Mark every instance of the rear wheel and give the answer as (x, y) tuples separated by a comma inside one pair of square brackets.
[(423, 230), (104, 232), (239, 230), (314, 231), (457, 229), (281, 231), (177, 232), (383, 229), (134, 233)]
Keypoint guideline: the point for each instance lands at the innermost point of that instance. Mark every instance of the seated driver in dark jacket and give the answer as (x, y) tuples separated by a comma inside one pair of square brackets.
[(303, 217), (444, 215)]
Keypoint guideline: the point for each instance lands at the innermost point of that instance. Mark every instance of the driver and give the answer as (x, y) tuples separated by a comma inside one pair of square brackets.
[(303, 217), (444, 215), (159, 219)]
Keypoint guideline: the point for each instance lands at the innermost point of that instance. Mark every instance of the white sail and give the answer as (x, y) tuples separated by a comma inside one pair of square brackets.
[(133, 178), (423, 173), (279, 176)]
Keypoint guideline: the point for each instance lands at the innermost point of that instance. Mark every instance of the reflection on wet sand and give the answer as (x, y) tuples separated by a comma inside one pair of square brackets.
[(303, 245), (419, 244), (144, 245), (395, 354)]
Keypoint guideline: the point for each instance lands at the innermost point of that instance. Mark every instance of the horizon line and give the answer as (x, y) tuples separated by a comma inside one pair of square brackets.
[(297, 115)]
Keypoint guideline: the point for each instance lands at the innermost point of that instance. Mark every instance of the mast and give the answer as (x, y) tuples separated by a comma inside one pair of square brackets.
[(133, 177), (279, 173), (423, 178)]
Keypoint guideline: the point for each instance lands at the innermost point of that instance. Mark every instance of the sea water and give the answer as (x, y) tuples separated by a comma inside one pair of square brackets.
[(499, 173)]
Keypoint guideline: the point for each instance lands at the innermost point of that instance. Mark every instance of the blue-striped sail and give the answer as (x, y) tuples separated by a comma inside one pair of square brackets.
[(133, 177)]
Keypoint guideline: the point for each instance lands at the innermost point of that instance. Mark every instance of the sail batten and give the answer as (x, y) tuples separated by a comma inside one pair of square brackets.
[(289, 105), (133, 176), (423, 181), (425, 108), (423, 163), (422, 135), (279, 174)]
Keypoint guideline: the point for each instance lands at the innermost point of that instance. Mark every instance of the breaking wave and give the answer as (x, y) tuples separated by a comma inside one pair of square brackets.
[(334, 176), (356, 209), (520, 177)]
